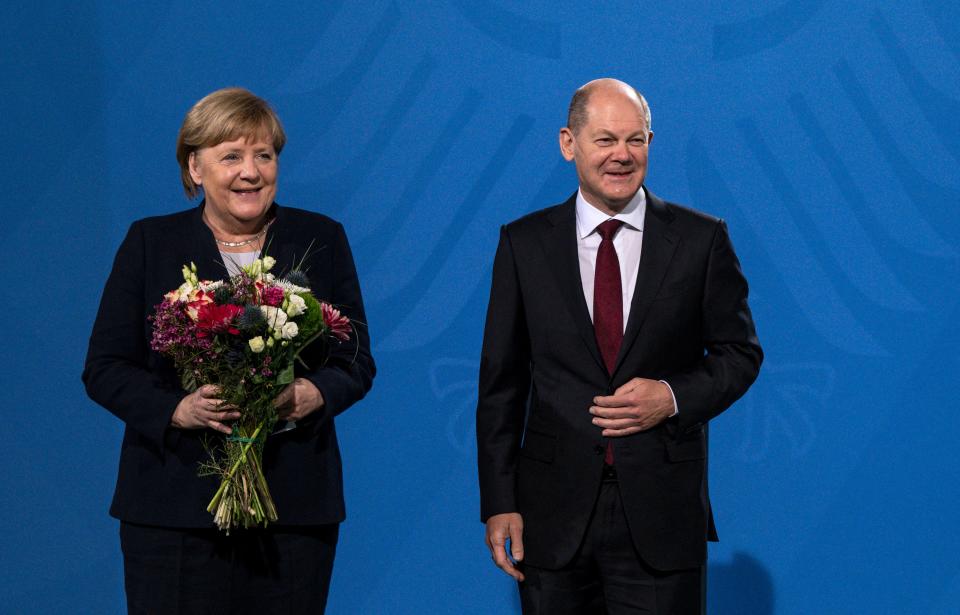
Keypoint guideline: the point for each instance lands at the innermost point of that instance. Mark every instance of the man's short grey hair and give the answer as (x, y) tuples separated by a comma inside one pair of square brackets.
[(577, 113)]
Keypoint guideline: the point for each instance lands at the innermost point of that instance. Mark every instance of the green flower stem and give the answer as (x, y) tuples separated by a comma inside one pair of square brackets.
[(243, 457), (266, 510), (271, 509)]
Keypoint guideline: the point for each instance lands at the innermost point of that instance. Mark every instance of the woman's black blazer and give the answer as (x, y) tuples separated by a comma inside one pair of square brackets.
[(157, 482)]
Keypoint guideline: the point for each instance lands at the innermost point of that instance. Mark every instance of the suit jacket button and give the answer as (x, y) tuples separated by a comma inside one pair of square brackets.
[(598, 449)]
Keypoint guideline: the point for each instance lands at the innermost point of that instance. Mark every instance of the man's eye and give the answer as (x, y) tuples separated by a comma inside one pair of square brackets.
[(638, 141), (604, 141)]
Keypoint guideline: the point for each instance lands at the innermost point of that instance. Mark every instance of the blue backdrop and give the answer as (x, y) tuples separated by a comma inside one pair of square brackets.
[(825, 132)]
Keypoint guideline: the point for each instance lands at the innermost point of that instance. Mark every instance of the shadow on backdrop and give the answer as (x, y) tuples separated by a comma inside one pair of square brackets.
[(741, 586)]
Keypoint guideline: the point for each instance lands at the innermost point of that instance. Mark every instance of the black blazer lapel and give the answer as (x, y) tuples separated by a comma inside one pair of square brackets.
[(280, 244), (209, 261), (560, 245), (659, 244)]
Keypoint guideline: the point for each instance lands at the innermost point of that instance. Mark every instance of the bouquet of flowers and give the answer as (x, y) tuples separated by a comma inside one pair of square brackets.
[(244, 335)]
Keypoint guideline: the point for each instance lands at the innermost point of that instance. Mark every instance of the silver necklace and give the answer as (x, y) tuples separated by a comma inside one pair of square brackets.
[(245, 242)]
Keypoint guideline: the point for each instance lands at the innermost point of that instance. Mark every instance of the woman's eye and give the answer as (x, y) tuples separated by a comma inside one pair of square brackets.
[(265, 156), (231, 157)]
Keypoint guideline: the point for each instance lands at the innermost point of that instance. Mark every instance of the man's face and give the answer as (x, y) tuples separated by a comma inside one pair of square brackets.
[(610, 149)]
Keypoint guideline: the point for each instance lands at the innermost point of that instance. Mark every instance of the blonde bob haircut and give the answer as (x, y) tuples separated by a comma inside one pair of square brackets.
[(225, 115)]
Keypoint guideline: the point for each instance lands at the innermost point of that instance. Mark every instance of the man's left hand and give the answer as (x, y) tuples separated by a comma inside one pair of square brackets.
[(298, 399), (636, 406)]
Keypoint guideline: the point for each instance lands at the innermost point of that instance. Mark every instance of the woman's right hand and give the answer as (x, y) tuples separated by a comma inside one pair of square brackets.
[(202, 409)]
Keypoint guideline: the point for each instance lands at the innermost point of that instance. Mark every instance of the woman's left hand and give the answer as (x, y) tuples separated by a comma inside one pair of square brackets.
[(298, 399)]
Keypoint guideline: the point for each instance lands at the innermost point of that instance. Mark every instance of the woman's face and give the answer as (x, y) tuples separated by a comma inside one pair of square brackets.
[(239, 180)]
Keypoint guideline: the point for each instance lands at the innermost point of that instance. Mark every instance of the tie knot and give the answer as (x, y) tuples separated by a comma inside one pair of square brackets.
[(609, 228)]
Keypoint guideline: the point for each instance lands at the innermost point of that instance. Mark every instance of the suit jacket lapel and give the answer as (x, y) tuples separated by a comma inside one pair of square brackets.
[(659, 244), (560, 245)]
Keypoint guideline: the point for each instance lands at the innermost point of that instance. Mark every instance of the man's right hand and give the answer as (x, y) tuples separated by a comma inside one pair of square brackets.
[(499, 529)]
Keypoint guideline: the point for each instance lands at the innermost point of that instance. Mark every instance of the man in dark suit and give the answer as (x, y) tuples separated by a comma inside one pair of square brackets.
[(617, 327)]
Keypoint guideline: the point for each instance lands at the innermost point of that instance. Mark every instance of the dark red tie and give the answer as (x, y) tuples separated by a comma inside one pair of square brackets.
[(608, 303)]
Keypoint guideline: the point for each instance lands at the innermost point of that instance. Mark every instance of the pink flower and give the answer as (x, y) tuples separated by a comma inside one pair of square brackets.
[(337, 323), (272, 296)]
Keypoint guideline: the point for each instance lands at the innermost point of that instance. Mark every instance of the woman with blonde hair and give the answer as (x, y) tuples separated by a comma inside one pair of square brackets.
[(175, 560)]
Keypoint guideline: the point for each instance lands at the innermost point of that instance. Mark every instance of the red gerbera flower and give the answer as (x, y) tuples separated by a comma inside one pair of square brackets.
[(213, 318)]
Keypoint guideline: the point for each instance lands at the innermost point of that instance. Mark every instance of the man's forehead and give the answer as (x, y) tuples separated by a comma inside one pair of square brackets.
[(621, 114)]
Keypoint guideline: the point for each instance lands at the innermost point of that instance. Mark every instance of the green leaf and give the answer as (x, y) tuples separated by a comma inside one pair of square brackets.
[(286, 376)]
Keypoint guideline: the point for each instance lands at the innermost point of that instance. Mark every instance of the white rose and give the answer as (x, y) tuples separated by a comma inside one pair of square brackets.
[(257, 344), (289, 330), (268, 263), (276, 317), (295, 305)]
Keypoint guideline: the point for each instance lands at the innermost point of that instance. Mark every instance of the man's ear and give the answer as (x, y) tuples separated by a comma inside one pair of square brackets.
[(566, 143), (194, 166)]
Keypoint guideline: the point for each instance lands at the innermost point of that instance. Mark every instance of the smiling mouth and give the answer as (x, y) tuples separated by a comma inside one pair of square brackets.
[(248, 190)]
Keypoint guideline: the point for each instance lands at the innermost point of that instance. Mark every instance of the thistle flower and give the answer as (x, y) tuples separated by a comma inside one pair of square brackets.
[(251, 320), (235, 358), (222, 295), (298, 278)]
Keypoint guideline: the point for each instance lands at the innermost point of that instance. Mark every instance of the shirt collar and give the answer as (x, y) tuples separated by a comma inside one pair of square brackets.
[(589, 217)]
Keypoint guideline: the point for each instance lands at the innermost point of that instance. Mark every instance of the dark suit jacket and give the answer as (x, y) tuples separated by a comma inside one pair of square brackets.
[(689, 324), (157, 482)]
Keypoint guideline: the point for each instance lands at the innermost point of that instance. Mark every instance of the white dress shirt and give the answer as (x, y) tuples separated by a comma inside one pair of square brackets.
[(628, 242)]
